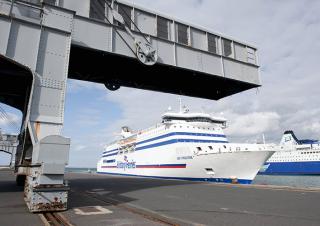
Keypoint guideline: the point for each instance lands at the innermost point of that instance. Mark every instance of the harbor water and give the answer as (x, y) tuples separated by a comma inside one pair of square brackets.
[(278, 180), (292, 181)]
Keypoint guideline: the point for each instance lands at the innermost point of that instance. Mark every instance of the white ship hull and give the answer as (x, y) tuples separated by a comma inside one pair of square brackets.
[(178, 161), (187, 146)]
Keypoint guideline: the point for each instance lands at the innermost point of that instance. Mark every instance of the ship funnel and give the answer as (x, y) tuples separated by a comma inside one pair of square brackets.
[(289, 138)]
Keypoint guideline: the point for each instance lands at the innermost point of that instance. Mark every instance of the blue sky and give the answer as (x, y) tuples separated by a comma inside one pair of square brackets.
[(287, 34)]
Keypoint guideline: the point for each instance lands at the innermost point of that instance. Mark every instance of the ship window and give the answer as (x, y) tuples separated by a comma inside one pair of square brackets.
[(97, 9), (163, 28), (125, 12), (109, 161), (199, 148), (227, 48), (182, 33), (210, 147), (238, 148), (212, 43), (51, 2)]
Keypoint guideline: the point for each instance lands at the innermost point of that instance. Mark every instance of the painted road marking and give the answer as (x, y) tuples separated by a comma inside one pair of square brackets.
[(91, 210)]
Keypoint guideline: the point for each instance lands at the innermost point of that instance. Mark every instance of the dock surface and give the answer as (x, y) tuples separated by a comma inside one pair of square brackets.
[(111, 200)]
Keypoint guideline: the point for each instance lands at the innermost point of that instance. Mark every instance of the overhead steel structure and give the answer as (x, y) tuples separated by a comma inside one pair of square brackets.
[(42, 43), (8, 144)]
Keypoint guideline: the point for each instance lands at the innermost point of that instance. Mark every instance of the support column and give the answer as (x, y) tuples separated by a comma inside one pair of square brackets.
[(39, 37), (45, 189)]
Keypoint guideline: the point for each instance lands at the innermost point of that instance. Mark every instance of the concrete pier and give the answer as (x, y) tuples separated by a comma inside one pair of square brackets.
[(106, 200)]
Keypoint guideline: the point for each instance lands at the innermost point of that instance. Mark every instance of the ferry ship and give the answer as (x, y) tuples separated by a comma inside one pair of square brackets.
[(295, 157), (184, 146)]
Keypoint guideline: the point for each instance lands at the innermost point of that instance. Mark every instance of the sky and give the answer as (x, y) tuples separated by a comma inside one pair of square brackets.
[(287, 35)]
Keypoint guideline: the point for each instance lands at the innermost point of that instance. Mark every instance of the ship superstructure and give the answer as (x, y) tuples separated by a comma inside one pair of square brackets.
[(295, 157)]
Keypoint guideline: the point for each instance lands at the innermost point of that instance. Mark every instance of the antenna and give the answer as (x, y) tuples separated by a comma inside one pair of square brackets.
[(263, 139)]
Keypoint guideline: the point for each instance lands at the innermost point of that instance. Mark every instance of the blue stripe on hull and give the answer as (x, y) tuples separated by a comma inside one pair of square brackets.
[(174, 134), (292, 168), (216, 180), (181, 133), (173, 141)]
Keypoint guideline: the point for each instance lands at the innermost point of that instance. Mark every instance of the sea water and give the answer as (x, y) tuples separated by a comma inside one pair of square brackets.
[(293, 181), (80, 170)]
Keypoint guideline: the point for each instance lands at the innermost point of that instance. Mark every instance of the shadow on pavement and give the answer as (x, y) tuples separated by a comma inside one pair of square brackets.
[(95, 190)]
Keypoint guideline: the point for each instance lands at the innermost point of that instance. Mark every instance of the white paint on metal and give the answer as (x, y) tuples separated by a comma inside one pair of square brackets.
[(81, 7)]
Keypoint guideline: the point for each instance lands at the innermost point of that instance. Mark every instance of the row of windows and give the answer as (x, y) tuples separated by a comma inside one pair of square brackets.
[(310, 152), (219, 149), (193, 119), (292, 160), (285, 154), (126, 150), (109, 161), (193, 127), (168, 30), (162, 28)]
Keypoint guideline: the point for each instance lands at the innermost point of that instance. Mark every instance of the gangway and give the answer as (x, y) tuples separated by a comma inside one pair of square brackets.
[(45, 42)]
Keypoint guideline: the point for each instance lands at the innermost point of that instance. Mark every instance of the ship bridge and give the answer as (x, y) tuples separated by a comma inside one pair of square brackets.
[(45, 42)]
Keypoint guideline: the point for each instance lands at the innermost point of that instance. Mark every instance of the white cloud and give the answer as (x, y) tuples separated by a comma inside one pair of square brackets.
[(88, 117), (313, 128), (79, 147), (253, 124), (75, 86), (10, 123)]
